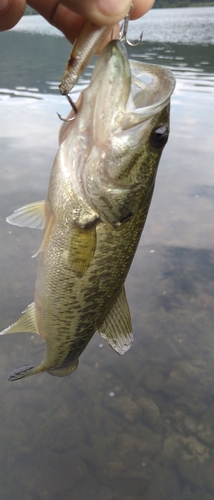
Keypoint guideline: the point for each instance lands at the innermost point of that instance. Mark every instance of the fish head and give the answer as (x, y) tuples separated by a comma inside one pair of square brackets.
[(129, 126), (114, 142)]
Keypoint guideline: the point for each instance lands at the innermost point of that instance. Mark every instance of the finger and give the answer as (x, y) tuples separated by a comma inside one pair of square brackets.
[(11, 12), (59, 16), (101, 12), (64, 19), (112, 34), (141, 7), (70, 23), (108, 12)]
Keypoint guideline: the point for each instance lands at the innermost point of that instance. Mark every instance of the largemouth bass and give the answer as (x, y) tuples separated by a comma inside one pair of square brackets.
[(99, 194)]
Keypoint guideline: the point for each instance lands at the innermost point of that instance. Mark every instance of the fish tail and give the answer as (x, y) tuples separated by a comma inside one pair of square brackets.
[(25, 371)]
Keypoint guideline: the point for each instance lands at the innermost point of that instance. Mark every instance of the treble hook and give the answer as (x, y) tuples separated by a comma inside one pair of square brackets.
[(124, 29), (73, 107)]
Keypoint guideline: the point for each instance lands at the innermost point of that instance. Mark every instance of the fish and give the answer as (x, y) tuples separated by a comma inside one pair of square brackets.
[(85, 46), (100, 189)]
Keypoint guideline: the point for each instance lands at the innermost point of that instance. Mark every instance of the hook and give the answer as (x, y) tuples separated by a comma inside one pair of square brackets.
[(65, 119), (124, 29), (73, 107), (72, 104)]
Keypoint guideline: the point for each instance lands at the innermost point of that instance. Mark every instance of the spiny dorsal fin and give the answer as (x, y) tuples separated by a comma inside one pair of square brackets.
[(116, 329), (82, 248), (26, 323), (31, 215)]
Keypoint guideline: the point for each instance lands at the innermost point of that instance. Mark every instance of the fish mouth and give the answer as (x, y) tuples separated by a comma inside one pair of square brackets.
[(125, 92), (113, 60), (151, 86), (140, 87), (128, 92), (150, 92)]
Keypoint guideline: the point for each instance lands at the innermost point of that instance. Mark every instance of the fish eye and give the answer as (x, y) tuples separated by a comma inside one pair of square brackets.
[(159, 137)]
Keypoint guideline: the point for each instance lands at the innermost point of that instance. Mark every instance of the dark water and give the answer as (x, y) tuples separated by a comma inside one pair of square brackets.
[(140, 426)]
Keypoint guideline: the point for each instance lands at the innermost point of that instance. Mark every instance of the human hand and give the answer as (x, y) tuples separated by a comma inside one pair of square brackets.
[(69, 15)]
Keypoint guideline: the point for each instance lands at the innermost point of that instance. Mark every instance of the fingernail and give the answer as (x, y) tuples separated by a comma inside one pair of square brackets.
[(114, 8)]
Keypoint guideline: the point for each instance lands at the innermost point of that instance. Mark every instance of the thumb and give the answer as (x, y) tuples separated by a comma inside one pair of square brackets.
[(101, 12), (11, 12)]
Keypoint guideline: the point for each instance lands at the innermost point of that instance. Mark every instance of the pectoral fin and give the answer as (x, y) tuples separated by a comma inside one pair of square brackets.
[(82, 248), (34, 215), (31, 215), (26, 323), (116, 329), (47, 233)]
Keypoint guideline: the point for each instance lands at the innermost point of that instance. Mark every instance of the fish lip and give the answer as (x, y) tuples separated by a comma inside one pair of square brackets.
[(113, 61), (152, 84), (161, 76), (113, 47), (139, 71)]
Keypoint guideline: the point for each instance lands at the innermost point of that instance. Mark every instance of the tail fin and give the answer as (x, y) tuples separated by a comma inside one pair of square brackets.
[(24, 371)]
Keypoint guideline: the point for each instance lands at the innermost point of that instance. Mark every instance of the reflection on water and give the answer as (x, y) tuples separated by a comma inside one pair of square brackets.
[(191, 58), (192, 66), (140, 426)]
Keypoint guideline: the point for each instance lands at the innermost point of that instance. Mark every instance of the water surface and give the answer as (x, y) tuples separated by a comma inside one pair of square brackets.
[(142, 425)]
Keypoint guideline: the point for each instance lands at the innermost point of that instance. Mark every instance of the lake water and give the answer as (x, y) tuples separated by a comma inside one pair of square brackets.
[(140, 426)]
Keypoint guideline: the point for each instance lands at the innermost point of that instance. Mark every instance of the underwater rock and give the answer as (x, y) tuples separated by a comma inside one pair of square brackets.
[(146, 443), (205, 429), (194, 405), (124, 406), (177, 447), (208, 475), (190, 472), (154, 380), (163, 486), (150, 412), (194, 449), (190, 424), (172, 447)]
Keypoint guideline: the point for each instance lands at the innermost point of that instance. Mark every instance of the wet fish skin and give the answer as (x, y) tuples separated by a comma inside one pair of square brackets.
[(99, 194)]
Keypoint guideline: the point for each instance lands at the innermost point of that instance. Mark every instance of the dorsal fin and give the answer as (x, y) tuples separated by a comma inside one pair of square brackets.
[(26, 322)]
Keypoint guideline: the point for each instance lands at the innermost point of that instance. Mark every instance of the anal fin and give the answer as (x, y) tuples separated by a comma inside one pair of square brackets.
[(116, 329), (64, 371)]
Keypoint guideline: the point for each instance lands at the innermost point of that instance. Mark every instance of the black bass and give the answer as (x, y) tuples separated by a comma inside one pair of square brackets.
[(99, 194)]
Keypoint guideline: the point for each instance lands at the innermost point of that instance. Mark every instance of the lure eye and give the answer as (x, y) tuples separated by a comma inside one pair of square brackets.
[(159, 137)]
